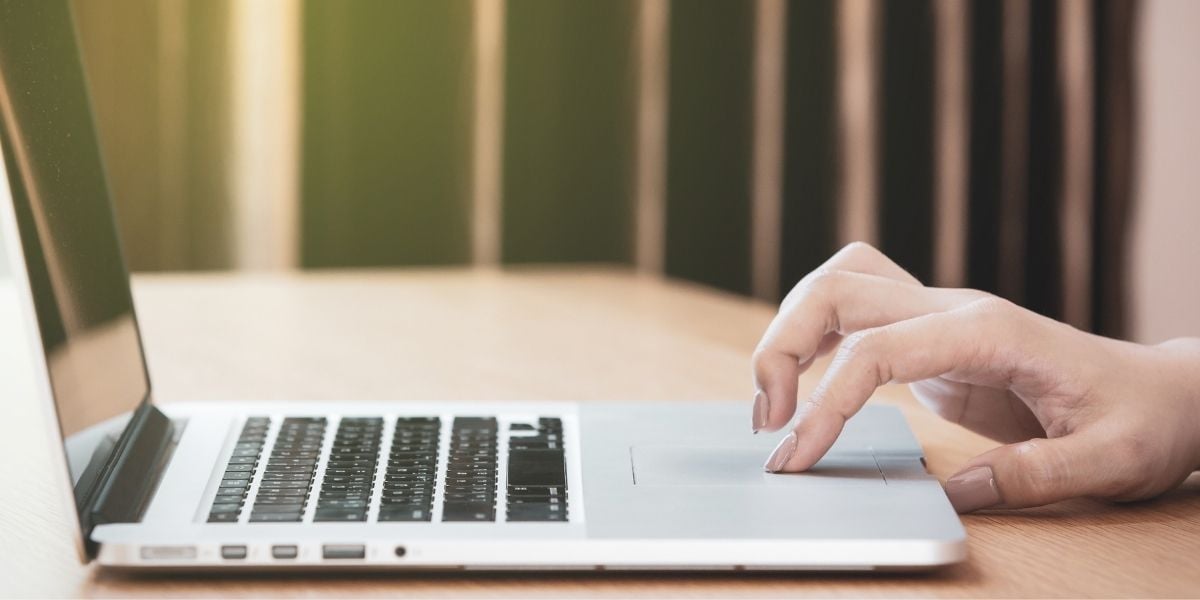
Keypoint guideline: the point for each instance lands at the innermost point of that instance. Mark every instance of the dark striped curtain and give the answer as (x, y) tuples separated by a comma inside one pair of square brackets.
[(1031, 201), (1019, 218)]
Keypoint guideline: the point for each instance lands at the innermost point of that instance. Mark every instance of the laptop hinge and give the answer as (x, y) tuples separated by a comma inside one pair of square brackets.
[(130, 475)]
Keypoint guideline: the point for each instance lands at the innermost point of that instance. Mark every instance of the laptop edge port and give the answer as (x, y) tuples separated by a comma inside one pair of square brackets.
[(344, 551)]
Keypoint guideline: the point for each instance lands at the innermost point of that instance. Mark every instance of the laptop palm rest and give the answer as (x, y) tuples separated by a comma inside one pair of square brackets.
[(666, 465)]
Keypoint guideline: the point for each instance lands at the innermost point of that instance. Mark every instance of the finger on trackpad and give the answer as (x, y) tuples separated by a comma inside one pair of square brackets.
[(739, 466)]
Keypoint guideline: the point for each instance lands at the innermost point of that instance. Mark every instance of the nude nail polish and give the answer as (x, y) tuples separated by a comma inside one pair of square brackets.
[(782, 454), (973, 489), (762, 408)]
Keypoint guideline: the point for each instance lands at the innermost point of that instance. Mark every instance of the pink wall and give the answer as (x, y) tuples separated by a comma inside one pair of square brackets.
[(1165, 261)]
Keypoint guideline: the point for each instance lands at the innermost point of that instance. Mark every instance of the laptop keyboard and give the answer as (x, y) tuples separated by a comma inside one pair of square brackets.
[(411, 474), (347, 488), (287, 482), (537, 474), (470, 488), (350, 472), (231, 494)]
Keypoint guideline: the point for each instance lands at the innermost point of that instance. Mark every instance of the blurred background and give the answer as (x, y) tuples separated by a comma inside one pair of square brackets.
[(1042, 150)]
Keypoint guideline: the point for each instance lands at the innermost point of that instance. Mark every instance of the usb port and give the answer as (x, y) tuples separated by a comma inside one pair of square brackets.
[(344, 551), (168, 552), (233, 552)]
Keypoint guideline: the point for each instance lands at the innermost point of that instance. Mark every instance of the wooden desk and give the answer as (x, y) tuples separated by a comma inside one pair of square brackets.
[(588, 335)]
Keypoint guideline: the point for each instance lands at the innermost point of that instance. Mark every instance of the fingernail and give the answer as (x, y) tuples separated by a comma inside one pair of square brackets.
[(973, 489), (761, 408), (782, 454)]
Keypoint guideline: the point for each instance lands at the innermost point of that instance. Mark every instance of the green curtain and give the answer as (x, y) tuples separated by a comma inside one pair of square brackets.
[(386, 156), (709, 142), (158, 76), (569, 118)]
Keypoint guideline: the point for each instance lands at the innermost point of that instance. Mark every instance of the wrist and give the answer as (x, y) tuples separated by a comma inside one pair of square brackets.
[(1184, 354)]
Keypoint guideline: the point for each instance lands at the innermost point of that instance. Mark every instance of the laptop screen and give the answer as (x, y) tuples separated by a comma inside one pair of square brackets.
[(65, 224)]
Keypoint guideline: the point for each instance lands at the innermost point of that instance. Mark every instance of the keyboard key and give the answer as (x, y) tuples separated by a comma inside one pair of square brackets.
[(487, 496), (260, 508), (340, 514), (517, 491), (346, 503), (272, 485), (536, 468), (468, 511), (544, 501), (271, 517), (535, 517), (276, 476), (405, 513)]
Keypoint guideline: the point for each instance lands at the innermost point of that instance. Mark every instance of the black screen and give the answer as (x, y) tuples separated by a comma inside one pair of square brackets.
[(64, 218)]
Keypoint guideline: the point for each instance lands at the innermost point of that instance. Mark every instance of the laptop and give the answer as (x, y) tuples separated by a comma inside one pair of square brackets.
[(411, 485)]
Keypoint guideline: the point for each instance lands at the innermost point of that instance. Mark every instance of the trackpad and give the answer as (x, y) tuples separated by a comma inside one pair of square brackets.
[(740, 466)]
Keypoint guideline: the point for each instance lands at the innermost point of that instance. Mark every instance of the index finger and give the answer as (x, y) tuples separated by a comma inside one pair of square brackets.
[(776, 367), (836, 304), (962, 341), (857, 257)]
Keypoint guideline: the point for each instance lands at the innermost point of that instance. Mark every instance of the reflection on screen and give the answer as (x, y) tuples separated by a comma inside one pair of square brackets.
[(64, 218)]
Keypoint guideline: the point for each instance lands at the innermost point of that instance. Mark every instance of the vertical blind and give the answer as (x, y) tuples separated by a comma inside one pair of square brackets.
[(983, 143)]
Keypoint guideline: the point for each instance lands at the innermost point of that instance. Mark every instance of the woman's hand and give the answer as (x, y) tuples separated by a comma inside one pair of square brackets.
[(1082, 415)]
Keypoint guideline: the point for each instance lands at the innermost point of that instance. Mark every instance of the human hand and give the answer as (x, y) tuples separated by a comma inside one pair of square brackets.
[(1082, 415)]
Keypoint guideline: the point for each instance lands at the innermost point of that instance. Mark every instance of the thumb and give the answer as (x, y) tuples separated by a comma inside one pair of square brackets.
[(1030, 473)]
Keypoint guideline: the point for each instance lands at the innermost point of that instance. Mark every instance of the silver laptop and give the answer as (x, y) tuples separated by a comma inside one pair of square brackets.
[(407, 485)]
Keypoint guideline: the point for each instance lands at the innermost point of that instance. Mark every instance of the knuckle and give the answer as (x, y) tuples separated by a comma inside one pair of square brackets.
[(860, 344), (824, 278), (859, 247), (1132, 457), (760, 363), (816, 279), (861, 354), (1124, 484), (995, 306), (1134, 448), (760, 355), (998, 318), (970, 295), (823, 284), (1038, 470)]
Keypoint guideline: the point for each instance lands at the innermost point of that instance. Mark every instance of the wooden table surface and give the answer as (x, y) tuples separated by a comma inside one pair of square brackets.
[(581, 334)]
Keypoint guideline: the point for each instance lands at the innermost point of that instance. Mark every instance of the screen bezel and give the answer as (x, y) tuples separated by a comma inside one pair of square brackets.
[(19, 270), (45, 397)]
